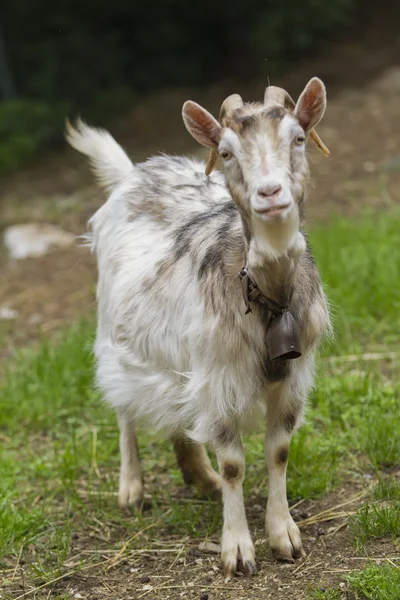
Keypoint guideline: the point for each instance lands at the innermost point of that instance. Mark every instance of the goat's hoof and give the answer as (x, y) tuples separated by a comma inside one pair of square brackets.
[(215, 494), (131, 496), (209, 487), (299, 552), (280, 557), (249, 568), (229, 571), (212, 493), (187, 477), (237, 548), (285, 540)]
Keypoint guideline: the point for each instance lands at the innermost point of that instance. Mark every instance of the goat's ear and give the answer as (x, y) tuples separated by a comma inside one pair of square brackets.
[(311, 105), (201, 124)]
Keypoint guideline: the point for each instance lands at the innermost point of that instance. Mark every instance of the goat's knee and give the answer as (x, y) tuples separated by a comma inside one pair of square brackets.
[(232, 472)]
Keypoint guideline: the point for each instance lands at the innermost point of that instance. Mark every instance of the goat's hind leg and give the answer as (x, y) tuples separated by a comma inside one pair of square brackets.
[(130, 480), (196, 467)]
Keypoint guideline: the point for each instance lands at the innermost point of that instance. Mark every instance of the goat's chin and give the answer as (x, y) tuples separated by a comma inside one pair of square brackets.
[(276, 236)]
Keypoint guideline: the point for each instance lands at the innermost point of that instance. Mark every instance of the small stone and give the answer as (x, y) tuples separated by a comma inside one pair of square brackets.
[(7, 313), (35, 239), (78, 595), (210, 548), (199, 561), (144, 579), (369, 166)]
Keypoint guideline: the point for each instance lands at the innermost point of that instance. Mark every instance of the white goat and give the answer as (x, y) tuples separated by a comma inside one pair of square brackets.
[(174, 346)]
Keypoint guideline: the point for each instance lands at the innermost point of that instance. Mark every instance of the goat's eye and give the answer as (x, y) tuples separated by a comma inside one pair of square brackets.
[(299, 140), (225, 154)]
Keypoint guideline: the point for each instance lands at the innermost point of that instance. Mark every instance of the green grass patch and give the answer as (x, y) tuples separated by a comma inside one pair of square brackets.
[(376, 583), (387, 489), (372, 583), (360, 265), (325, 594), (374, 521)]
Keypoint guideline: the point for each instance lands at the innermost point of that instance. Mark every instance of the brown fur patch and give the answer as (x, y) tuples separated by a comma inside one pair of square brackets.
[(282, 456), (231, 472)]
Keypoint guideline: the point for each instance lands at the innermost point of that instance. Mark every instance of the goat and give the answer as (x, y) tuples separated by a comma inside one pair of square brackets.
[(175, 347)]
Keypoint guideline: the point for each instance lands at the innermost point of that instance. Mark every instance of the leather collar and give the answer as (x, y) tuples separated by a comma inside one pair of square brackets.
[(252, 293)]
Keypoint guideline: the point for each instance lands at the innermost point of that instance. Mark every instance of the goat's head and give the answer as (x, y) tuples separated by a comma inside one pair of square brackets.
[(263, 149)]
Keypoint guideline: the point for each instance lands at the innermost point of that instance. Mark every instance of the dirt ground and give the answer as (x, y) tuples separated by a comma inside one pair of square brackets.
[(173, 567), (362, 130), (168, 566)]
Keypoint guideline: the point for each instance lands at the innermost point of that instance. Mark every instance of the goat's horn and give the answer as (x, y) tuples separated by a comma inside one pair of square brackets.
[(228, 106), (280, 96)]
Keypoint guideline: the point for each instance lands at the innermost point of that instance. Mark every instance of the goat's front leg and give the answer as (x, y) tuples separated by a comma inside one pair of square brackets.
[(130, 479), (283, 410), (236, 541)]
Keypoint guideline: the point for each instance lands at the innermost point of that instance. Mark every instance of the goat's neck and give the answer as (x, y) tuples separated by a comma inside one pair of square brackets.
[(273, 255)]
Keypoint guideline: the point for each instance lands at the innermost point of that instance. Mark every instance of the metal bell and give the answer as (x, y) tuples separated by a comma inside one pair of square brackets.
[(283, 337)]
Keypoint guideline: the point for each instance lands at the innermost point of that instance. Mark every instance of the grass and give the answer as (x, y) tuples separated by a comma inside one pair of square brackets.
[(372, 583), (59, 444), (378, 518), (360, 265), (323, 594), (376, 583), (387, 489), (376, 521)]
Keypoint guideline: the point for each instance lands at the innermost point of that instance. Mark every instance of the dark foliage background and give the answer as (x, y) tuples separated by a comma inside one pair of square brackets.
[(96, 56)]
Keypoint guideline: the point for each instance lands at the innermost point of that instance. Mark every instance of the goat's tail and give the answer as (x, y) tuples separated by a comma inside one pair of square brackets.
[(108, 160)]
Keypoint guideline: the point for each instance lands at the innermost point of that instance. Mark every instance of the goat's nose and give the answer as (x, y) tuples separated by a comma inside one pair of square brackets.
[(269, 190)]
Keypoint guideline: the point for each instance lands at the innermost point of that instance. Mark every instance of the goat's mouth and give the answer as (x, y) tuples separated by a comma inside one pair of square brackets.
[(277, 211)]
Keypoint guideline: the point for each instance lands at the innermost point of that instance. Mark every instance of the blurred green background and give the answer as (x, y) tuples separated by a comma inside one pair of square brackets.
[(98, 57)]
